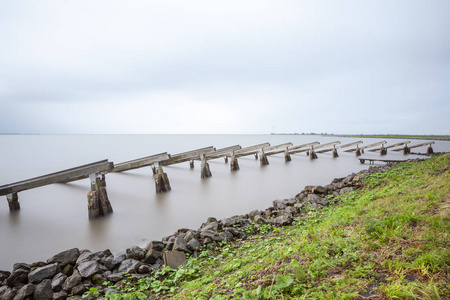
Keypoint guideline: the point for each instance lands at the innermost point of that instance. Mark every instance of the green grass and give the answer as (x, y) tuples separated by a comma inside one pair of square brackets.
[(388, 240)]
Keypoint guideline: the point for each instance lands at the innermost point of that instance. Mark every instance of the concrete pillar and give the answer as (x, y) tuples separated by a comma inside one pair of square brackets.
[(234, 164), (162, 183), (383, 151), (256, 155), (287, 155), (191, 164), (205, 172), (358, 151), (13, 201), (98, 202), (429, 149), (263, 158), (226, 159)]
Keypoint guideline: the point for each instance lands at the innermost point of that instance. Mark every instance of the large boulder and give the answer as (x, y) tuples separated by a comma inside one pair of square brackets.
[(180, 244), (17, 278), (42, 273), (25, 292), (58, 281), (7, 293), (152, 256), (72, 281), (157, 245), (282, 221), (129, 266), (43, 290), (61, 295), (194, 245), (66, 257), (89, 268), (135, 252)]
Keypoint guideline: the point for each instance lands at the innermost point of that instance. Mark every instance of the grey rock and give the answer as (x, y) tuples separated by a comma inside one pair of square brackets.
[(157, 245), (237, 233), (72, 281), (66, 257), (282, 221), (211, 219), (189, 236), (4, 275), (17, 278), (144, 269), (152, 256), (253, 214), (316, 189), (194, 245), (259, 220), (22, 266), (324, 202), (58, 281), (25, 292), (43, 290), (111, 291), (136, 253), (290, 210), (312, 198), (228, 222), (348, 179), (88, 268), (174, 259), (115, 277), (207, 241), (346, 190), (298, 206), (279, 204), (78, 289), (207, 234), (40, 274), (213, 226), (98, 279), (129, 266), (67, 270), (61, 295), (7, 293), (180, 245), (225, 236)]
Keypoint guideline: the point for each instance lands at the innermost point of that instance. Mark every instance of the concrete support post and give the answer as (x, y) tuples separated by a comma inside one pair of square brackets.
[(103, 180), (263, 158), (162, 183), (312, 153), (358, 151), (13, 201), (287, 155), (98, 202), (335, 153), (191, 164), (383, 151), (256, 155), (226, 159), (234, 164), (205, 172), (429, 149)]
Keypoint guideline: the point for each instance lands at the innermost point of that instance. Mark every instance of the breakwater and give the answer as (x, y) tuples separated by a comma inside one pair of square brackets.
[(74, 270)]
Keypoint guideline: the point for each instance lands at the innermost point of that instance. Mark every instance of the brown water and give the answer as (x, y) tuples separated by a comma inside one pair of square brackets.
[(55, 218)]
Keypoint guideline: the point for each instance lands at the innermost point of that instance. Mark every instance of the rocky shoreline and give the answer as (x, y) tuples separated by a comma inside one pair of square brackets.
[(72, 272)]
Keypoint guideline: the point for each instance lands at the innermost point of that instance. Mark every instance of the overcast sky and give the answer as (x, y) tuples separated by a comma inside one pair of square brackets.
[(225, 66)]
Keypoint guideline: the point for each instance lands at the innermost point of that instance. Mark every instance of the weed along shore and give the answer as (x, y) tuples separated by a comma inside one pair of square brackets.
[(382, 233)]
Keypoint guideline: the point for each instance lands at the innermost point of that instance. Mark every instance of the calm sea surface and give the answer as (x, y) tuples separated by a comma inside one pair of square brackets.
[(55, 218)]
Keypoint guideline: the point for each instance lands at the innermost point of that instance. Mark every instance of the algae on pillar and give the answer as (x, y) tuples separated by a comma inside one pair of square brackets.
[(205, 172), (13, 201), (98, 202), (162, 183)]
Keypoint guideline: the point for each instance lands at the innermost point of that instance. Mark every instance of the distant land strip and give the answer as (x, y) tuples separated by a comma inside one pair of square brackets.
[(394, 136)]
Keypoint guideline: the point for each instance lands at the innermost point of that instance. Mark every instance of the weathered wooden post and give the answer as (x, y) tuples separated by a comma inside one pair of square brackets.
[(287, 154), (406, 150), (335, 153), (358, 151), (263, 158), (234, 164), (205, 172), (98, 202), (191, 164), (429, 149), (312, 153), (162, 183), (13, 201), (383, 150)]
